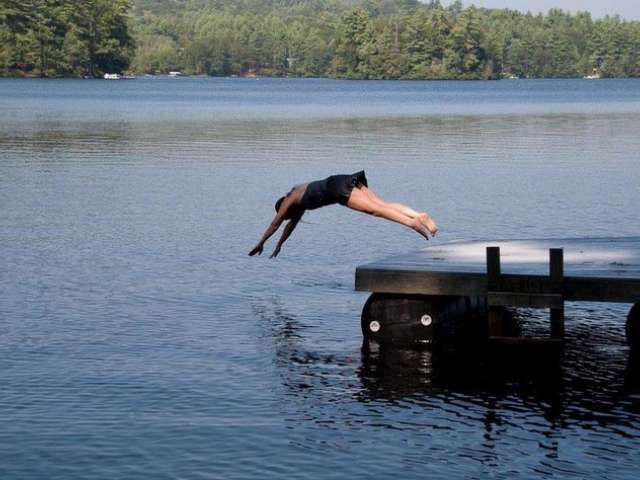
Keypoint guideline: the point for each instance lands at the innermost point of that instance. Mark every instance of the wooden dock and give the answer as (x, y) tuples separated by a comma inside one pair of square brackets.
[(415, 293)]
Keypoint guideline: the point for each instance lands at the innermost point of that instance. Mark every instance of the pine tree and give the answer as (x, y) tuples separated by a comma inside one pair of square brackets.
[(465, 54), (103, 29), (351, 38)]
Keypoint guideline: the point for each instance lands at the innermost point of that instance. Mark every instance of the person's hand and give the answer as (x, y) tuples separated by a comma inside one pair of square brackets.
[(275, 253), (257, 249)]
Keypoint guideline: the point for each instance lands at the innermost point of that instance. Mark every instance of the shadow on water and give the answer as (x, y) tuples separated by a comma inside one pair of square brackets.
[(632, 375), (588, 385), (392, 373)]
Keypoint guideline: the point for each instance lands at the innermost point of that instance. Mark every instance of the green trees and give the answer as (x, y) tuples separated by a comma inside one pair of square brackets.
[(615, 47), (64, 37), (352, 41), (465, 54), (101, 27), (212, 42), (35, 30), (426, 38), (435, 43), (454, 42), (360, 39)]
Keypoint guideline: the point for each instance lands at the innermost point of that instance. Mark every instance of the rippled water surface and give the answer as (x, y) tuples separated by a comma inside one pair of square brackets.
[(138, 340)]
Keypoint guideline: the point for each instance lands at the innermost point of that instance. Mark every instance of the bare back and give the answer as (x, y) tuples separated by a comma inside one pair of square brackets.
[(294, 197)]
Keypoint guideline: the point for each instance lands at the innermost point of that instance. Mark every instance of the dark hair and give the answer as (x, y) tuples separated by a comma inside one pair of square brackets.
[(278, 203)]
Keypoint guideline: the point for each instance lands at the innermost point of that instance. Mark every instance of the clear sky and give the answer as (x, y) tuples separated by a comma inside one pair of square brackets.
[(628, 9)]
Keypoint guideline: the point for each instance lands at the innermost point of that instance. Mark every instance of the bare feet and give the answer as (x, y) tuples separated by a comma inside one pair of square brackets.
[(420, 228), (428, 222)]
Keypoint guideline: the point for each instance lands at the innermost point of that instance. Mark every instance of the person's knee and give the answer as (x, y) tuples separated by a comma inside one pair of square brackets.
[(369, 208)]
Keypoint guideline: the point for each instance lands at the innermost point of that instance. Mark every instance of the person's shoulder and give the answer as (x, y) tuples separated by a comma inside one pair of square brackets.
[(298, 190)]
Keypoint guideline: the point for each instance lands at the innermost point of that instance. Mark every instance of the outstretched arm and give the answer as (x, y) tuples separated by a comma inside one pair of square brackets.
[(271, 229), (286, 233)]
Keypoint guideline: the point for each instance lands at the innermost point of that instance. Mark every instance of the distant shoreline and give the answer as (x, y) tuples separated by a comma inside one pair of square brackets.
[(345, 39), (292, 77)]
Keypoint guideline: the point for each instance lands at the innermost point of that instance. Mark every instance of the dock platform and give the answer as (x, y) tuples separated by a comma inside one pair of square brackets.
[(415, 292)]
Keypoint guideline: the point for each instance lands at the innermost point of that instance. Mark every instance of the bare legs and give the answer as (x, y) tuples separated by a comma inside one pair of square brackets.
[(426, 220), (364, 200)]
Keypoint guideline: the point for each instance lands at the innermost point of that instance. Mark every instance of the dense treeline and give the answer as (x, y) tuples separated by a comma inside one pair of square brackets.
[(369, 39), (64, 37)]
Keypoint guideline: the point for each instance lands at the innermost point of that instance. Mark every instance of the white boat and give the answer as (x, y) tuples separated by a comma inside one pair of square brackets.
[(595, 76), (175, 74), (112, 76)]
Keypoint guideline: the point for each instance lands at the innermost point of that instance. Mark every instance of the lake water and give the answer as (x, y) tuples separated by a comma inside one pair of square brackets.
[(138, 339)]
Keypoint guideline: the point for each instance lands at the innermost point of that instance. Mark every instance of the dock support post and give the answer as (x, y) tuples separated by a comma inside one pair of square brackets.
[(495, 313), (633, 327), (556, 272)]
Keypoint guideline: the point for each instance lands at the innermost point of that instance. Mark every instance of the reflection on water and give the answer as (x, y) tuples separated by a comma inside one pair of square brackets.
[(531, 403), (524, 409), (138, 340)]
